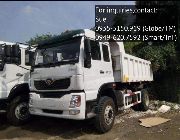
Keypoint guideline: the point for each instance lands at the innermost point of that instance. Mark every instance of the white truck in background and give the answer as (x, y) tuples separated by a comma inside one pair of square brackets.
[(73, 76), (14, 77)]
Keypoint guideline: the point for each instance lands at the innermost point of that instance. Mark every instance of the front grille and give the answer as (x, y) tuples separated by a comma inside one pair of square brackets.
[(56, 85), (53, 94), (52, 111)]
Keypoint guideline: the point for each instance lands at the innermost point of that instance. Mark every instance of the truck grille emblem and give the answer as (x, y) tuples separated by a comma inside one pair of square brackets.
[(49, 82)]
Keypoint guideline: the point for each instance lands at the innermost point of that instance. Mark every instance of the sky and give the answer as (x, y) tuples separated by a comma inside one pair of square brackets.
[(19, 21)]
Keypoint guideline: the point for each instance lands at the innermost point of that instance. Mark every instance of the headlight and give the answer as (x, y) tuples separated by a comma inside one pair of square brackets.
[(29, 82), (30, 99), (75, 101)]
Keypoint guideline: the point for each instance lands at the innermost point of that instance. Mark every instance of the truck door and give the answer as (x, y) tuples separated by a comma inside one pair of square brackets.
[(11, 76), (106, 63), (3, 85), (23, 68), (96, 75), (13, 71)]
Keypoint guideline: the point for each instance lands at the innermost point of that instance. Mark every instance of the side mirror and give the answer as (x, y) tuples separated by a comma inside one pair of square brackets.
[(16, 54), (87, 53), (1, 65), (16, 50), (12, 54), (7, 51), (28, 57), (2, 58)]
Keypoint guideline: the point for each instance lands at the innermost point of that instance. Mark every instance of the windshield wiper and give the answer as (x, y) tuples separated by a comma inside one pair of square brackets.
[(67, 61), (52, 64), (44, 65), (70, 61)]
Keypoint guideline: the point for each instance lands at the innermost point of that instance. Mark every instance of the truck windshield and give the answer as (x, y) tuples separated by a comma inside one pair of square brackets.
[(56, 54)]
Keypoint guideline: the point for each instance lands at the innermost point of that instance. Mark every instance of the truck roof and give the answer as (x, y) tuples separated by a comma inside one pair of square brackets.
[(62, 37), (12, 43), (70, 34)]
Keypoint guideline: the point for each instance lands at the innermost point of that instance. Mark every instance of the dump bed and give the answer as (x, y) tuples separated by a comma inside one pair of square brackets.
[(128, 68)]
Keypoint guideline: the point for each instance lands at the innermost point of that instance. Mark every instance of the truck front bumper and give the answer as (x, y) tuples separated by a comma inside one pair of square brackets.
[(3, 103), (57, 107)]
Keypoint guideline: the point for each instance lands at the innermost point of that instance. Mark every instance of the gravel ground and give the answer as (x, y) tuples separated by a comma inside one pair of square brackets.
[(126, 127)]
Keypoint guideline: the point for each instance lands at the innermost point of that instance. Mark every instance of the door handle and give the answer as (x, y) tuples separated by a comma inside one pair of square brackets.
[(101, 72), (19, 74)]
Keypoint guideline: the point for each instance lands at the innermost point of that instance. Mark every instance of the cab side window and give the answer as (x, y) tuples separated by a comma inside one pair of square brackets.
[(95, 50), (105, 53)]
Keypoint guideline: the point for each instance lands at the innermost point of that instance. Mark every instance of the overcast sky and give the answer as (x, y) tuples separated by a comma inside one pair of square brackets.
[(19, 21)]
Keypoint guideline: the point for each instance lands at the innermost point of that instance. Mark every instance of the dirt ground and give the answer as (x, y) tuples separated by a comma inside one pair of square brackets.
[(126, 128)]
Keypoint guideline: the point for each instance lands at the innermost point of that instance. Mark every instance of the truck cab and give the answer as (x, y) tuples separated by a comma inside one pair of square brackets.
[(14, 77), (74, 76)]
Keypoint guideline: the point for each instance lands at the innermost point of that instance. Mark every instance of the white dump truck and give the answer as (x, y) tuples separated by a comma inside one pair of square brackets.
[(73, 76), (14, 77)]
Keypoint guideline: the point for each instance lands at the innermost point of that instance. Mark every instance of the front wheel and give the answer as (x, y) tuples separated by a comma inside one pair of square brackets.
[(105, 114), (18, 111)]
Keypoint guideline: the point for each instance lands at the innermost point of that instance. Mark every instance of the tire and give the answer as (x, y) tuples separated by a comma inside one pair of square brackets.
[(18, 111), (105, 116), (144, 105)]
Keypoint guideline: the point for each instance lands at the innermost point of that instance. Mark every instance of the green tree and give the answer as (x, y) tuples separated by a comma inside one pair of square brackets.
[(38, 38), (163, 55)]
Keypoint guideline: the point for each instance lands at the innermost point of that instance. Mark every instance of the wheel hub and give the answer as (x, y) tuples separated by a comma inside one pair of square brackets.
[(108, 115), (21, 111), (147, 100)]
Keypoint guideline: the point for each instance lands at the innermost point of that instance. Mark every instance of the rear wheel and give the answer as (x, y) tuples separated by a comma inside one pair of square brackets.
[(105, 115), (144, 105), (18, 111)]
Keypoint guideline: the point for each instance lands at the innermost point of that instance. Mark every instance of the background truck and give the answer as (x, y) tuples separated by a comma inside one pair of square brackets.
[(73, 76), (14, 77)]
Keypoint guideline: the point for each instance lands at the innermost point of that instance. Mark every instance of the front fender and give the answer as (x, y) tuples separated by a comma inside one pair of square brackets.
[(17, 90), (3, 88), (110, 90)]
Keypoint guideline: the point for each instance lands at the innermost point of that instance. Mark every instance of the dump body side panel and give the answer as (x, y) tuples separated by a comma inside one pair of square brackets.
[(135, 69)]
